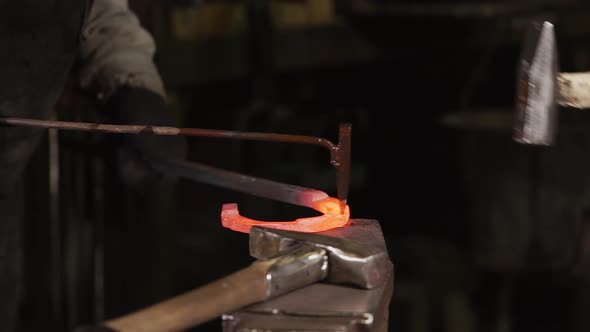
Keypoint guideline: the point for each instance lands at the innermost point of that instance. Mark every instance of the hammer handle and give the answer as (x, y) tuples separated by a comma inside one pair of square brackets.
[(574, 89), (244, 287)]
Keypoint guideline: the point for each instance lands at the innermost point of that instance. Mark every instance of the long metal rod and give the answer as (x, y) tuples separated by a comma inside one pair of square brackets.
[(169, 131)]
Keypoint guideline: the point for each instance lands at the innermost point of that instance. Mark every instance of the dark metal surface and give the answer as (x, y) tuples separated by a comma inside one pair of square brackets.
[(536, 104)]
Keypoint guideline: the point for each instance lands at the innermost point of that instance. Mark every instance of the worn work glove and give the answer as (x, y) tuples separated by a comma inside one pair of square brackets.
[(136, 151)]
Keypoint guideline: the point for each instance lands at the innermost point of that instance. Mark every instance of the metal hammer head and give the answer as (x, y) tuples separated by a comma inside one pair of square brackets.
[(350, 261), (536, 99)]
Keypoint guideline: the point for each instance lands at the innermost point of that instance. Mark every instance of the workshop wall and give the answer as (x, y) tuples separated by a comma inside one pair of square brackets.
[(447, 196)]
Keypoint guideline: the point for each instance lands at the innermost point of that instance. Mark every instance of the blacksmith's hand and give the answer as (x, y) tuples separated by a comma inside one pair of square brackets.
[(137, 106)]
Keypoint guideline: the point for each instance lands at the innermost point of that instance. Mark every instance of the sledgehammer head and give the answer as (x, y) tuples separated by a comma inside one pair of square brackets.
[(355, 256), (536, 96)]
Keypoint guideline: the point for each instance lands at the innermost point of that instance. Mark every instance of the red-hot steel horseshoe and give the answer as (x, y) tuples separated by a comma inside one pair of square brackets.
[(328, 206)]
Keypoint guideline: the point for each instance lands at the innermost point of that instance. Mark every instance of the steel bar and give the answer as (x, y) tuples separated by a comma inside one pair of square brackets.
[(169, 131), (236, 181)]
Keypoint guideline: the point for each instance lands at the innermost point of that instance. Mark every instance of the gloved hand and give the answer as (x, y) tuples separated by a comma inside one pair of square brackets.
[(143, 107)]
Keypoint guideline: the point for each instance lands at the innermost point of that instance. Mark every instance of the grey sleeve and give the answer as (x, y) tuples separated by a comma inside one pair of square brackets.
[(117, 51)]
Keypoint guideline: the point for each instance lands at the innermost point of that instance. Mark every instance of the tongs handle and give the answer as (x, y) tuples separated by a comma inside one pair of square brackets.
[(265, 188)]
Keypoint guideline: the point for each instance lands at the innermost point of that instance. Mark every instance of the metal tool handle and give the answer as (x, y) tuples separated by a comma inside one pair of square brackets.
[(240, 182), (244, 287)]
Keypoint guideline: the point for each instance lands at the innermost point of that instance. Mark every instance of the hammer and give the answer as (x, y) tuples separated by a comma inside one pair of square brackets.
[(286, 261), (541, 88)]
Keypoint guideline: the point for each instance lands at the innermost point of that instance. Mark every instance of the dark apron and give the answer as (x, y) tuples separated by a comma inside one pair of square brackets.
[(39, 41)]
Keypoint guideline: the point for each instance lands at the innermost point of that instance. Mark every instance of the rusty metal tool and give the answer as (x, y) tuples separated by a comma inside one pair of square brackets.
[(286, 261), (340, 154), (342, 164), (542, 89)]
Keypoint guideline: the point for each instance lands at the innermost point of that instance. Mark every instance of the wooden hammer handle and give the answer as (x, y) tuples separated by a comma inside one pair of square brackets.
[(574, 90), (244, 287)]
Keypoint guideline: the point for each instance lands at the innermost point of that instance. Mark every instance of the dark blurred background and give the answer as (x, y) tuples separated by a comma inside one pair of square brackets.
[(485, 235)]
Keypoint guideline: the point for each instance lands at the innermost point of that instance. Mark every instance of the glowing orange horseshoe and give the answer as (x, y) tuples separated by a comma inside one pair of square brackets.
[(329, 206)]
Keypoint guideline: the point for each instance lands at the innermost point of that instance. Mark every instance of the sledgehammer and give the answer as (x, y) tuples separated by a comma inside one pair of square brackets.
[(542, 89), (286, 261)]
